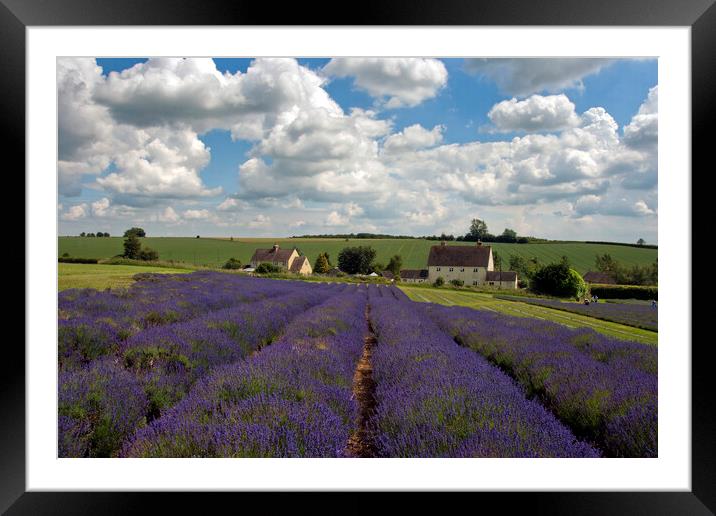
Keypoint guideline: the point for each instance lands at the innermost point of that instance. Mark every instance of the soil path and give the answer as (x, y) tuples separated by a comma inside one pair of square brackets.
[(362, 443)]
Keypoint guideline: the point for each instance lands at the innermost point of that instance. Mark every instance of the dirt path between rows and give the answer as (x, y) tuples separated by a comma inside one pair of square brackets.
[(362, 442)]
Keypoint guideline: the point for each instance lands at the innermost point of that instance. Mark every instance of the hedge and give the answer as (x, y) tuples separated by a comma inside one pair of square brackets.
[(625, 292), (68, 259)]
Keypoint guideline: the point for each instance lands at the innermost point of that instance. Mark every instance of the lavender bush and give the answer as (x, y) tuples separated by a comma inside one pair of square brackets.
[(604, 389), (437, 399)]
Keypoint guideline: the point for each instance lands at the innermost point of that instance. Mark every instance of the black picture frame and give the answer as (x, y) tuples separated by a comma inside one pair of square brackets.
[(700, 15)]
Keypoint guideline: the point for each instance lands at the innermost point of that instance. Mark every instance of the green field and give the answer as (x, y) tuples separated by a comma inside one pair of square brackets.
[(481, 301), (100, 277), (215, 251)]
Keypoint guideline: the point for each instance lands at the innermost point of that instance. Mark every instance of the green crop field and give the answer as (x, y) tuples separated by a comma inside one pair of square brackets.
[(215, 251), (100, 277), (480, 301)]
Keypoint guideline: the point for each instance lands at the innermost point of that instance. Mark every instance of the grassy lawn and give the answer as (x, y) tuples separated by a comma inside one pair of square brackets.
[(215, 251), (481, 301), (100, 277)]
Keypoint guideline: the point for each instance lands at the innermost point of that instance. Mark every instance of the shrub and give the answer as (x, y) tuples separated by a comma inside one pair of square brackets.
[(439, 281), (625, 292), (67, 259), (457, 282), (267, 268), (232, 263), (148, 255)]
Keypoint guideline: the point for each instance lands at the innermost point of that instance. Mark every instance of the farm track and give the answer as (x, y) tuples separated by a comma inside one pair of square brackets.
[(361, 443)]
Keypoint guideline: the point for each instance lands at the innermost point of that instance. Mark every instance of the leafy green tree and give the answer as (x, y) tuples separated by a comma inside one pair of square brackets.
[(232, 263), (139, 232), (605, 263), (509, 235), (356, 260), (83, 234), (322, 265), (395, 264), (558, 279), (478, 229), (457, 282), (132, 247), (641, 241), (439, 282)]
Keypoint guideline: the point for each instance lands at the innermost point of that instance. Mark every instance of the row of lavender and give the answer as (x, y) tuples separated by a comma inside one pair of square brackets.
[(92, 323), (435, 398), (118, 371), (293, 399), (638, 315), (604, 389)]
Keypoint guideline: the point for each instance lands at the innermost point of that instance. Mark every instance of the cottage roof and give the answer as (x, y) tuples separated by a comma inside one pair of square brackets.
[(414, 274), (275, 254), (459, 255), (501, 276), (600, 277), (387, 274), (298, 263)]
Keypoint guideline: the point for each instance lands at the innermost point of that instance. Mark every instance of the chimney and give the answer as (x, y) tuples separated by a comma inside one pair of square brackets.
[(479, 243), (442, 243)]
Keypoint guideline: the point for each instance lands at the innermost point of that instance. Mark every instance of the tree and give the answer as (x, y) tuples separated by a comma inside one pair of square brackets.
[(497, 259), (132, 247), (322, 266), (356, 260), (232, 263), (605, 263), (558, 279), (641, 241), (439, 282), (377, 267), (457, 283), (478, 229), (509, 235), (139, 232), (82, 234), (395, 264)]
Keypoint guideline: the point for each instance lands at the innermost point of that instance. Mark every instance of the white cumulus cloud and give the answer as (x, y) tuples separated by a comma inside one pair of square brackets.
[(536, 113), (397, 81)]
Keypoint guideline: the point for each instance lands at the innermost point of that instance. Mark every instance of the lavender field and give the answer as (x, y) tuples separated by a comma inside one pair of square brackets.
[(631, 314), (217, 365)]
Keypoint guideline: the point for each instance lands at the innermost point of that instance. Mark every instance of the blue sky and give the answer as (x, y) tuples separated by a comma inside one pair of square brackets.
[(558, 148)]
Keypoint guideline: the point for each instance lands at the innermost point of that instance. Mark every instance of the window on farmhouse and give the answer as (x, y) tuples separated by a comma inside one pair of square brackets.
[(474, 282), (450, 269), (474, 270), (437, 268), (462, 270)]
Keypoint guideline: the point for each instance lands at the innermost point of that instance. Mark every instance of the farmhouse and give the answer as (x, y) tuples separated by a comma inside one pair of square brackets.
[(602, 278), (414, 275), (474, 265), (285, 258)]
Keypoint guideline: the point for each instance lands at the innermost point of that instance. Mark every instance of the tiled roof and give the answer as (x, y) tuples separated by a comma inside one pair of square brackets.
[(387, 274), (600, 277), (272, 255), (459, 255), (414, 274), (298, 263), (501, 276)]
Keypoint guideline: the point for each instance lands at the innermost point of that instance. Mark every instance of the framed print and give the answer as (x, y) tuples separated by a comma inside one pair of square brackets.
[(281, 265)]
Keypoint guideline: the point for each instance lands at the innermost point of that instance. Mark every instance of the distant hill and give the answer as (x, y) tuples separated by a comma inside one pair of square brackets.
[(215, 251)]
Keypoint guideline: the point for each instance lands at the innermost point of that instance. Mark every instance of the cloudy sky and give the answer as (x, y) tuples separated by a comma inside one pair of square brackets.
[(555, 148)]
